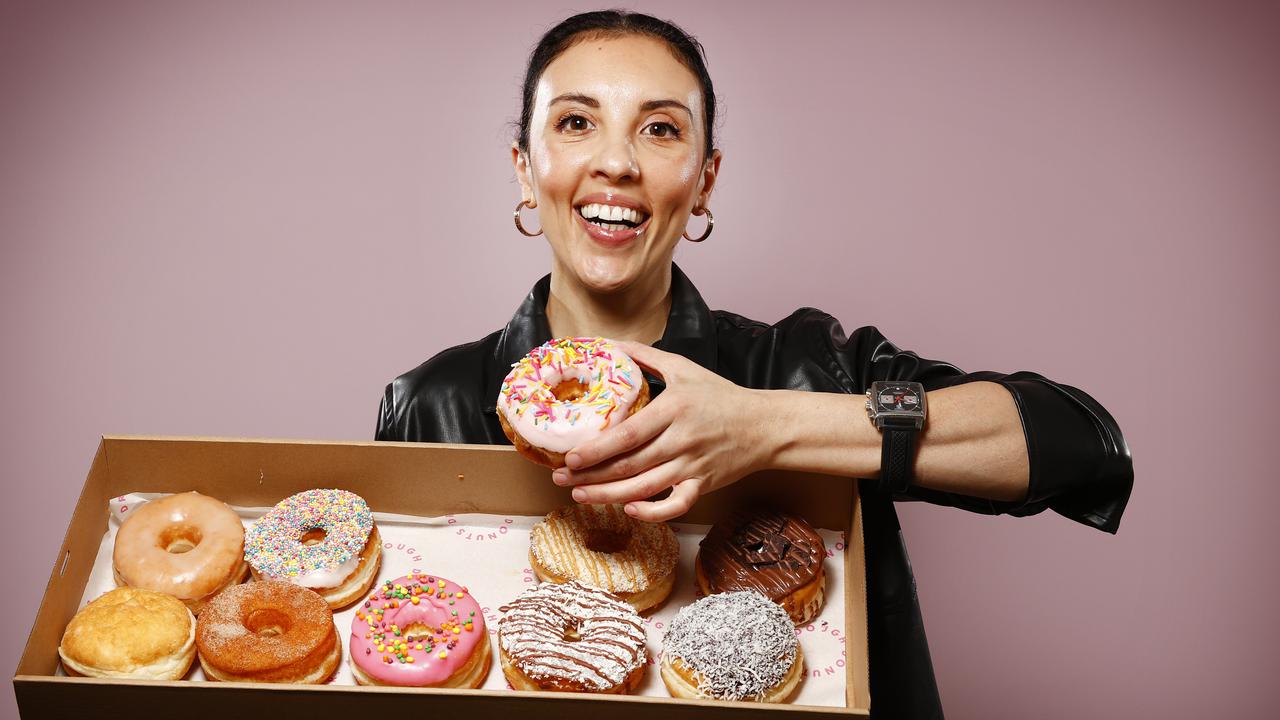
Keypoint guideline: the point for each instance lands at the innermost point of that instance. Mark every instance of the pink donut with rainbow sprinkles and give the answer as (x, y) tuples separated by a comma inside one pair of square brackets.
[(566, 392), (420, 631)]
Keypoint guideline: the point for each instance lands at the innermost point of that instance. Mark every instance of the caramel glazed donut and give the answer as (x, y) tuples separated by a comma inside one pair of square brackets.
[(732, 646), (268, 631), (187, 545), (130, 633), (571, 638), (603, 546), (324, 540), (776, 554), (566, 392)]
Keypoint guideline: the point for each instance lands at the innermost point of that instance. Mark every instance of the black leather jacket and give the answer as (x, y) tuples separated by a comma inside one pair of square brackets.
[(1080, 465)]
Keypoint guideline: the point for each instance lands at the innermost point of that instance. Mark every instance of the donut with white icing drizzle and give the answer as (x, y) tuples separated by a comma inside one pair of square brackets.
[(732, 646), (603, 546), (571, 637), (566, 392)]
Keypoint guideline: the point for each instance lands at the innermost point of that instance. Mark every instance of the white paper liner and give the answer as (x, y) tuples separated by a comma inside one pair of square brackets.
[(489, 555)]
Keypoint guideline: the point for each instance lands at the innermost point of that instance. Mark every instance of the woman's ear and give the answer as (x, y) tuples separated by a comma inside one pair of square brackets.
[(521, 163), (710, 169)]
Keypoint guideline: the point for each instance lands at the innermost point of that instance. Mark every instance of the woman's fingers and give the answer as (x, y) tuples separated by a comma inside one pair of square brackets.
[(645, 485), (627, 435), (683, 495), (661, 363), (619, 467)]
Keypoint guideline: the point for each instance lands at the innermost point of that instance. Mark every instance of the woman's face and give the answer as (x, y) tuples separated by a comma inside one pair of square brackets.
[(615, 161)]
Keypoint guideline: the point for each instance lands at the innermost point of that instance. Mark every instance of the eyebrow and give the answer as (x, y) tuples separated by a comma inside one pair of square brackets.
[(646, 106)]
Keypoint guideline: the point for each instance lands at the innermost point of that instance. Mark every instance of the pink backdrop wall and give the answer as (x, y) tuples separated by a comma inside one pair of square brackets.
[(237, 219)]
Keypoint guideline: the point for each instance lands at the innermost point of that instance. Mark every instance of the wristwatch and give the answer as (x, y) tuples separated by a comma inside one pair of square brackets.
[(897, 408)]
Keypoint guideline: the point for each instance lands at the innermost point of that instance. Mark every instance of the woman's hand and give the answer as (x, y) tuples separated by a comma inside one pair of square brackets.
[(702, 433)]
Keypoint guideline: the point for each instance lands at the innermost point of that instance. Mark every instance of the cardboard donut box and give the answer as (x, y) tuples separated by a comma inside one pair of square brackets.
[(391, 477)]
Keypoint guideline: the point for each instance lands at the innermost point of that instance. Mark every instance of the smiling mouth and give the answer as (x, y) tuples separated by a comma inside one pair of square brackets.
[(612, 217)]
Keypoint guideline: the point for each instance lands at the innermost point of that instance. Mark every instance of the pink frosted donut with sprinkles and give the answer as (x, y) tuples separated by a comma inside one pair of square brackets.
[(420, 631), (566, 392), (323, 540)]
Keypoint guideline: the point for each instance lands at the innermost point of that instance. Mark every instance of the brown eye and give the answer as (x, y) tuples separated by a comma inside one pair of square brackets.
[(664, 130), (573, 123)]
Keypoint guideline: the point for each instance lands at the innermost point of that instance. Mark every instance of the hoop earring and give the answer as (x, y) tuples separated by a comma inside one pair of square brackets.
[(526, 233), (711, 221)]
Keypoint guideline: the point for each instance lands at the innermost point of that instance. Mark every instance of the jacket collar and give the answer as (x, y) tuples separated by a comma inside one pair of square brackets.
[(690, 332)]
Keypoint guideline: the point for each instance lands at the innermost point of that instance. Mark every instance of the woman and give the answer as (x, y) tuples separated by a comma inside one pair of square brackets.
[(616, 152)]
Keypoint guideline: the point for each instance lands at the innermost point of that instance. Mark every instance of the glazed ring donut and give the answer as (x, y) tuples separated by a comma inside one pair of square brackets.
[(601, 545), (732, 646), (268, 631), (130, 633), (324, 540), (571, 638), (187, 545), (565, 392), (776, 554), (420, 631)]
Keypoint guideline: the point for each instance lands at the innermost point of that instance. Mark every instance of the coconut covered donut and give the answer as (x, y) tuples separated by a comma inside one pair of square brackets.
[(571, 638), (601, 545), (732, 646), (566, 392), (324, 540)]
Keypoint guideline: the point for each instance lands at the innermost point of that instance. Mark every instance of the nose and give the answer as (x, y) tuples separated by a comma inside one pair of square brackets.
[(615, 159)]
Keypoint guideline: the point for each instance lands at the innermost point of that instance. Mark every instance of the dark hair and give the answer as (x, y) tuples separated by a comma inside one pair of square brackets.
[(615, 23)]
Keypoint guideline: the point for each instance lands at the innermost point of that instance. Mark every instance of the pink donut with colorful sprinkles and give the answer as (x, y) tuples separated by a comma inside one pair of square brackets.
[(420, 631), (566, 392)]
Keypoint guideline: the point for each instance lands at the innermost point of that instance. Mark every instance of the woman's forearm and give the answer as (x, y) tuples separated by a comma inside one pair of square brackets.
[(972, 442)]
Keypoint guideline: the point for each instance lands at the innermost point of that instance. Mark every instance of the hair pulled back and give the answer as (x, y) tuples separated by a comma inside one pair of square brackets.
[(610, 24)]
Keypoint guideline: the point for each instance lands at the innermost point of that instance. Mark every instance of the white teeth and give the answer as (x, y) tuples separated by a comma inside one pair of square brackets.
[(609, 213)]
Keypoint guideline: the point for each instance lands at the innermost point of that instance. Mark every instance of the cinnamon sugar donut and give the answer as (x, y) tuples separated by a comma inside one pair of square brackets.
[(566, 392), (776, 554), (571, 638), (187, 545), (268, 631), (732, 646), (601, 545)]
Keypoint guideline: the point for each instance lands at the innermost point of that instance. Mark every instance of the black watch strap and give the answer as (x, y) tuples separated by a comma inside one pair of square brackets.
[(897, 456)]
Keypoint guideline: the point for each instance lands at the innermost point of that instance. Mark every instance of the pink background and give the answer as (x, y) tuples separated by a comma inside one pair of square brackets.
[(232, 219)]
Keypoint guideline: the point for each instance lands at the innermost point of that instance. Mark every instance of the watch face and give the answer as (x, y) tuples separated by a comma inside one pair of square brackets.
[(897, 398)]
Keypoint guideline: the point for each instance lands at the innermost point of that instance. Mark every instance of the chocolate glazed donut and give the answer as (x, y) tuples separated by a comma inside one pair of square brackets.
[(776, 554)]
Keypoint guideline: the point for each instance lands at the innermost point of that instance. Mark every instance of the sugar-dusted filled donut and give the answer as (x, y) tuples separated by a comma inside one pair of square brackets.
[(187, 545), (130, 633), (420, 631), (566, 392), (732, 646), (776, 554), (324, 540)]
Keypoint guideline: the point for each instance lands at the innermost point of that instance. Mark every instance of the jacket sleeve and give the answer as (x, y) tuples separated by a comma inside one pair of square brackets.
[(387, 429), (1080, 466)]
